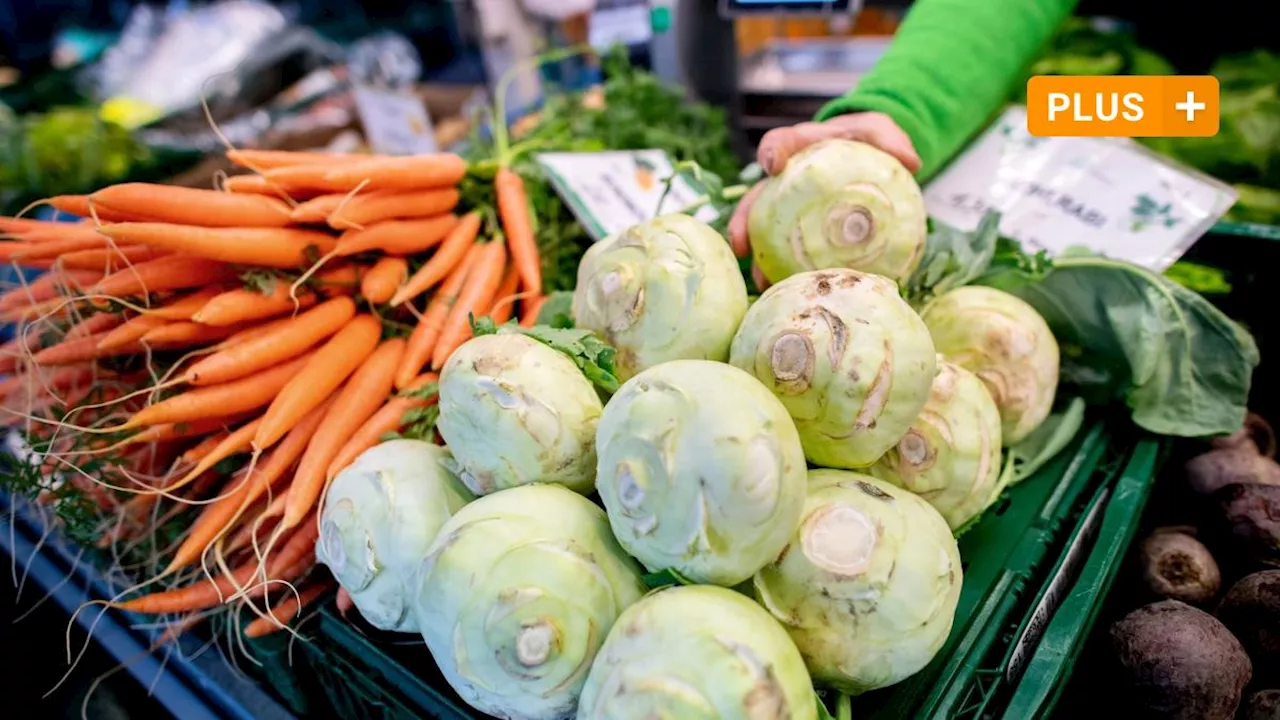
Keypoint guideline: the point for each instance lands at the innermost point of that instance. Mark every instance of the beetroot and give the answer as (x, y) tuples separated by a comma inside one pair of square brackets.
[(1247, 521), (1177, 566), (1251, 611)]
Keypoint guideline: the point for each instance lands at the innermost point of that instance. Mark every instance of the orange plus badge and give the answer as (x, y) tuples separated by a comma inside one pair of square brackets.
[(1122, 106)]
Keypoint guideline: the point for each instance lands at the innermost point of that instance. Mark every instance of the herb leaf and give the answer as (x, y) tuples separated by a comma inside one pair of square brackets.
[(592, 356)]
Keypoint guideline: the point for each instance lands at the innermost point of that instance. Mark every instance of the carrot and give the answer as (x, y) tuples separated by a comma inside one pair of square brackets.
[(10, 251), (478, 292), (358, 400), (184, 306), (174, 335), (338, 280), (107, 259), (504, 300), (206, 593), (192, 206), (252, 333), (287, 609), (178, 431), (413, 172), (233, 444), (48, 286), (133, 330), (172, 272), (214, 520), (79, 205), (56, 381), (388, 418), (12, 225), (383, 279), (96, 323), (530, 316), (364, 210), (243, 305), (78, 350), (397, 237), (423, 339), (263, 247), (318, 209), (513, 209), (236, 396), (449, 256), (324, 371), (55, 308), (202, 449), (287, 341), (271, 159), (81, 238), (250, 184)]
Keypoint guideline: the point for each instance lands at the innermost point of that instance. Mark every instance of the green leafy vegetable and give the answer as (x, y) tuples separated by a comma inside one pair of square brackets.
[(557, 310), (588, 352), (665, 578), (1046, 441), (953, 257)]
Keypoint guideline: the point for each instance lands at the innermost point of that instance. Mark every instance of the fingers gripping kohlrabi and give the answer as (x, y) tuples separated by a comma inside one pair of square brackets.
[(516, 596), (839, 204), (379, 516), (951, 454), (697, 653), (666, 289), (1004, 341), (515, 411), (701, 471), (846, 355), (869, 585)]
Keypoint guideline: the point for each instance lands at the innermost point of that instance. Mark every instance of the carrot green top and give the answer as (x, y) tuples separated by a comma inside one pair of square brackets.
[(951, 66)]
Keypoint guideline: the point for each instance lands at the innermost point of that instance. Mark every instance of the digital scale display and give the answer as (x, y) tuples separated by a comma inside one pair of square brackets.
[(785, 7)]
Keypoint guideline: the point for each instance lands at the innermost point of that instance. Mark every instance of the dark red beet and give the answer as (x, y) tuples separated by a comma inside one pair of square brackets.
[(1177, 566), (1247, 521), (1262, 705), (1251, 611), (1208, 472)]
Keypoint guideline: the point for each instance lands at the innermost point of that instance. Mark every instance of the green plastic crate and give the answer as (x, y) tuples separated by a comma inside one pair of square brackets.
[(285, 669)]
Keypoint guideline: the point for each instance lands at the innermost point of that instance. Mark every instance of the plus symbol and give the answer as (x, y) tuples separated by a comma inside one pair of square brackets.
[(1190, 106)]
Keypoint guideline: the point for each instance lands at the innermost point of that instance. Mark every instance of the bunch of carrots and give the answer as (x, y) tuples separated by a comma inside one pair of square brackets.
[(232, 350)]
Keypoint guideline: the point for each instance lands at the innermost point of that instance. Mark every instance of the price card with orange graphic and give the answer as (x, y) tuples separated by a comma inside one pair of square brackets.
[(611, 191)]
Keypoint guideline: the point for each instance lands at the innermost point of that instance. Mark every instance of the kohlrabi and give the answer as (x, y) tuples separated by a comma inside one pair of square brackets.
[(839, 204), (516, 596), (848, 357), (951, 454), (666, 289), (701, 471), (379, 516), (1004, 341), (515, 411), (868, 586), (697, 653)]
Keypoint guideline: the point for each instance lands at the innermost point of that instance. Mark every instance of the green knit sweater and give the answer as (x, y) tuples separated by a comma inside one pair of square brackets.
[(951, 66)]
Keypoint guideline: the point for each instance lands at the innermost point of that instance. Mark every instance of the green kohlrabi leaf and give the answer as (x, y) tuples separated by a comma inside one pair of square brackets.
[(665, 578), (953, 258), (593, 356), (1182, 366), (557, 310), (1054, 434)]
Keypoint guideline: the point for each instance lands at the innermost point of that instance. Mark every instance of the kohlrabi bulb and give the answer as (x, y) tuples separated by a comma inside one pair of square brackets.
[(701, 471), (846, 355), (839, 204), (666, 289), (515, 411), (1003, 340)]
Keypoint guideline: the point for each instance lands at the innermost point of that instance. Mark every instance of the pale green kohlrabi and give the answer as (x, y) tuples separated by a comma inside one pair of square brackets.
[(1004, 341), (951, 454), (848, 357), (515, 411), (697, 652), (839, 204), (700, 470), (666, 289), (869, 585), (516, 596), (380, 514)]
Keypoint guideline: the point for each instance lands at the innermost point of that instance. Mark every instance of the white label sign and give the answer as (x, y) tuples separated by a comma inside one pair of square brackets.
[(1112, 196), (395, 123), (612, 191)]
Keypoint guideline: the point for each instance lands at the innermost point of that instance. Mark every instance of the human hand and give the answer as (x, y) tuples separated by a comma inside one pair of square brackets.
[(779, 144)]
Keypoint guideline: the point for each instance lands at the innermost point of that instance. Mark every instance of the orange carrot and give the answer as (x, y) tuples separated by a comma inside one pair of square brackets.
[(13, 225), (107, 259), (286, 610), (413, 172), (271, 159), (172, 272), (364, 210), (70, 352), (530, 316), (58, 380), (133, 330), (81, 238), (178, 431), (478, 293), (250, 184), (397, 237), (236, 396), (48, 286), (174, 335), (288, 341), (504, 300), (184, 306), (202, 449), (216, 516), (263, 247), (252, 333), (324, 371), (99, 322), (383, 279), (10, 251), (388, 418), (423, 339), (339, 280), (513, 209), (233, 444), (79, 205), (358, 400), (450, 254), (318, 209), (243, 305), (192, 206)]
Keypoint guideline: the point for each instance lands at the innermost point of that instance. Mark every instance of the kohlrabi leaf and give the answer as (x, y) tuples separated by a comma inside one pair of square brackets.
[(557, 310), (953, 257), (665, 578), (1183, 367), (1046, 441), (593, 356)]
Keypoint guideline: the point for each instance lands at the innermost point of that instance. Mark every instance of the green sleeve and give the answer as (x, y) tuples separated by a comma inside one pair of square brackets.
[(952, 64)]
